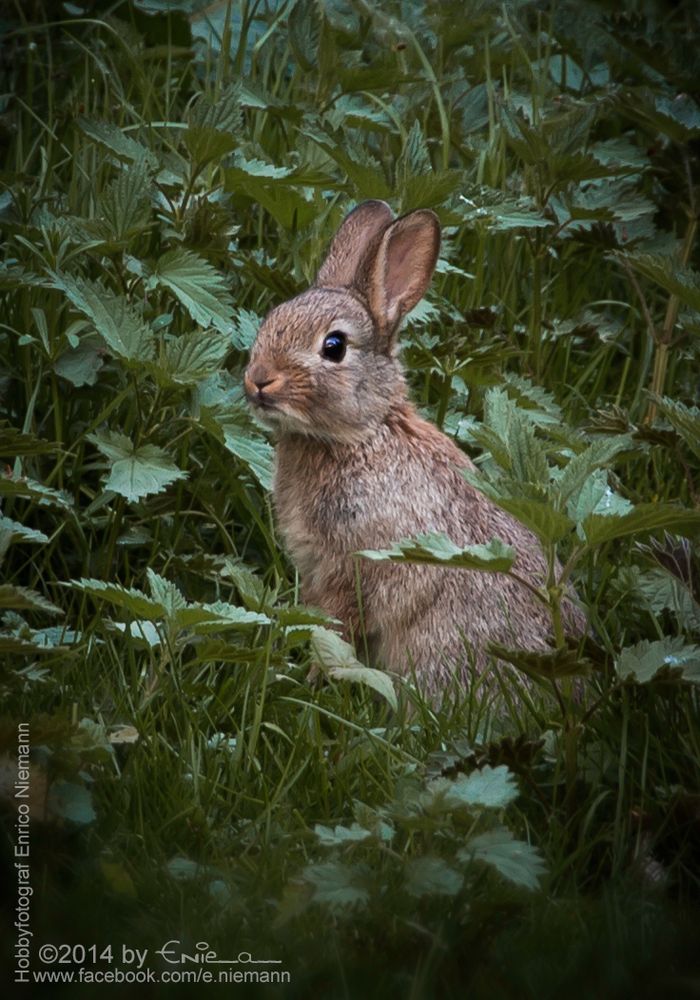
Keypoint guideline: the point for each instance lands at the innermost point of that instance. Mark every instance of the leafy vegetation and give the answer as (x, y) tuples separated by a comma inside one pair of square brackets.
[(210, 761)]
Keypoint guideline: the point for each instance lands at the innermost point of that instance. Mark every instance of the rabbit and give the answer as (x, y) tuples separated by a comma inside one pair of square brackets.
[(356, 467)]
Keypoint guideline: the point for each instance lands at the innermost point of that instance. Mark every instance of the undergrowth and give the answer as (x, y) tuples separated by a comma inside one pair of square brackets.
[(171, 171)]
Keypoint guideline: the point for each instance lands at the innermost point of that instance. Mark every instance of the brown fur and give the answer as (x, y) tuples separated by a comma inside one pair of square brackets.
[(358, 468)]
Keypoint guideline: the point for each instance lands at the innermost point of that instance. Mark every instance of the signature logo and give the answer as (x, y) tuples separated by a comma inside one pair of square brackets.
[(173, 954)]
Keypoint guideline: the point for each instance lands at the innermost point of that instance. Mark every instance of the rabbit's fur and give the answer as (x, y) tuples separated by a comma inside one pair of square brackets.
[(358, 468)]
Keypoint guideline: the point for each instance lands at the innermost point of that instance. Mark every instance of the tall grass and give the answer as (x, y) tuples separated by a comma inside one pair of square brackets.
[(171, 171)]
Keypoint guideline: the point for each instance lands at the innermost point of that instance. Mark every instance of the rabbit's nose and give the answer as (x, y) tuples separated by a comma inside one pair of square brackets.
[(257, 381)]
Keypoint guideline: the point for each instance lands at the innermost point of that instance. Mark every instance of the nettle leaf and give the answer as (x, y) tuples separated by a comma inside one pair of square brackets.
[(305, 33), (337, 884), (685, 419), (540, 516), (20, 533), (80, 365), (14, 442), (135, 472), (596, 497), (251, 449), (118, 322), (515, 860), (127, 598), (661, 590), (245, 329), (662, 659), (339, 836), (339, 660), (490, 788), (191, 357), (643, 518), (438, 550), (198, 286), (579, 469), (116, 141), (22, 598), (31, 490), (552, 665), (204, 619), (667, 272), (144, 632), (431, 876), (165, 593), (124, 207)]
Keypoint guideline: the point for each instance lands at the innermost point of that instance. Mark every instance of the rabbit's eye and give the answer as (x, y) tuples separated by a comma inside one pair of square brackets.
[(334, 346)]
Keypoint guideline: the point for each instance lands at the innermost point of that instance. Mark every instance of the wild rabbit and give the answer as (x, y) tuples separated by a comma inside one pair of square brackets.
[(358, 468)]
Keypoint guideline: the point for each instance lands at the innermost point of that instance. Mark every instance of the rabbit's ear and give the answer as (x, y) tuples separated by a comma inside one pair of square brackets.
[(400, 273), (351, 243)]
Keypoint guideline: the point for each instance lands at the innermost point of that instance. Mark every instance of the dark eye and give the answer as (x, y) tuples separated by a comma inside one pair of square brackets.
[(334, 346)]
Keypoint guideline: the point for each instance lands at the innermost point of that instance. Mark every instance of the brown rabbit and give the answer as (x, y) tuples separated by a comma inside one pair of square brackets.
[(358, 468)]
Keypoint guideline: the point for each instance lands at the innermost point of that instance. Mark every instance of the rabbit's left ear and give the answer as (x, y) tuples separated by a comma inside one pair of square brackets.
[(403, 265)]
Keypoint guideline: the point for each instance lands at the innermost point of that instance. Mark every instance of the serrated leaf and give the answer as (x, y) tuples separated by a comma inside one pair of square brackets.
[(490, 788), (127, 598), (14, 442), (79, 366), (123, 209), (338, 836), (135, 472), (540, 516), (642, 519), (22, 598), (431, 876), (118, 323), (516, 860), (31, 490), (165, 593), (254, 451), (191, 357), (437, 549), (124, 146), (198, 286), (304, 27), (204, 619), (338, 658), (580, 468), (685, 419), (19, 533), (143, 631), (666, 657), (337, 884), (667, 272), (552, 665), (595, 496)]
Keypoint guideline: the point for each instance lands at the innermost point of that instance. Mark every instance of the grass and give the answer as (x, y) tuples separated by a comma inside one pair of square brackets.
[(169, 175)]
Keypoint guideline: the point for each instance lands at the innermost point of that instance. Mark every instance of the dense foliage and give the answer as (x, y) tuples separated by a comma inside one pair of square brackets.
[(171, 171)]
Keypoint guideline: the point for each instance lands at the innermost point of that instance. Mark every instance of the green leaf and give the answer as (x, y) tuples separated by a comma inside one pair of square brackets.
[(662, 659), (72, 802), (338, 836), (116, 141), (165, 593), (19, 533), (667, 272), (551, 665), (118, 323), (14, 442), (31, 490), (191, 357), (338, 658), (685, 419), (437, 549), (596, 497), (128, 599), (135, 472), (22, 598), (540, 516), (80, 365), (304, 25), (643, 518), (579, 468), (337, 884), (204, 619), (515, 860), (198, 286), (253, 450), (124, 207), (431, 876), (491, 788)]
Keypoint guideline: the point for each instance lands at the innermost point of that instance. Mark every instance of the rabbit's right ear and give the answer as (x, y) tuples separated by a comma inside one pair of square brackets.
[(350, 246)]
